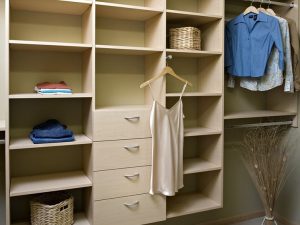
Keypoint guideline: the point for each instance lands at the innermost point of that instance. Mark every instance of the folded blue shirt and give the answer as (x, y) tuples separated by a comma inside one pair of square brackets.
[(50, 140), (51, 131)]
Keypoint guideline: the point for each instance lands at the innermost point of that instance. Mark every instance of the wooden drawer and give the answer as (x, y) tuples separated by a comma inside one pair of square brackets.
[(122, 182), (122, 154), (121, 124), (133, 210)]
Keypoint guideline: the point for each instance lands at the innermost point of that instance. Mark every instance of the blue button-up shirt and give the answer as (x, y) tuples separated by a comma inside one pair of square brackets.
[(249, 40)]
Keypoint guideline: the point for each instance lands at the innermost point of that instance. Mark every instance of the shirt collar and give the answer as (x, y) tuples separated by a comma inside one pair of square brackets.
[(262, 17)]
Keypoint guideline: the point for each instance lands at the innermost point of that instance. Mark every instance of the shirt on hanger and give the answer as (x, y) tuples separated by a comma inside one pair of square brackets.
[(249, 40), (295, 52), (274, 75)]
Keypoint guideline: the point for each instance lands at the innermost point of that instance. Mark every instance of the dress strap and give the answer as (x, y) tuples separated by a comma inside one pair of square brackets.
[(151, 92), (184, 87)]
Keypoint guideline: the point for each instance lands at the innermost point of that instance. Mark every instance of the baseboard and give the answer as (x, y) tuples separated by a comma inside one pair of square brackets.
[(243, 217), (237, 219), (284, 221)]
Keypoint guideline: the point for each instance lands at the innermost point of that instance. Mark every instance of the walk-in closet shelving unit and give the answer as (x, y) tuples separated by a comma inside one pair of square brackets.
[(49, 41), (242, 106), (105, 50)]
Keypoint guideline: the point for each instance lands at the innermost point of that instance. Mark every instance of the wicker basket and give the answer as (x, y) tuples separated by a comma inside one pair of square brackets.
[(185, 38), (52, 209)]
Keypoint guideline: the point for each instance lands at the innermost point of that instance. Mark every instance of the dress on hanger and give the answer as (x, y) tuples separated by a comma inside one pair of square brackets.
[(167, 131)]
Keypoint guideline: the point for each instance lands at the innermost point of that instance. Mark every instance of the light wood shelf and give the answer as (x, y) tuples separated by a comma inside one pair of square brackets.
[(257, 114), (2, 125), (193, 94), (191, 17), (198, 165), (127, 12), (48, 183), (79, 219), (25, 143), (200, 131), (190, 203), (71, 7), (192, 53), (48, 46), (125, 50), (39, 96)]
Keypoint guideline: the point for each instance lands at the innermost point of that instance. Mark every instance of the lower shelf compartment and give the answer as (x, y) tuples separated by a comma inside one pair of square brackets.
[(49, 182), (201, 192), (79, 219), (190, 203), (198, 165)]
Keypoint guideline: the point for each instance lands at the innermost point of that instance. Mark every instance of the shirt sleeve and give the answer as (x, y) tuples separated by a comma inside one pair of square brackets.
[(289, 75), (276, 34), (228, 48)]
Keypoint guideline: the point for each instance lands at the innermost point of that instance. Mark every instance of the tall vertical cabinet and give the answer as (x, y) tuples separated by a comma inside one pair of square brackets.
[(104, 50)]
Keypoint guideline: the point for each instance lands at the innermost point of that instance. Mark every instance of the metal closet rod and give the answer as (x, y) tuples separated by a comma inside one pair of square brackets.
[(289, 5)]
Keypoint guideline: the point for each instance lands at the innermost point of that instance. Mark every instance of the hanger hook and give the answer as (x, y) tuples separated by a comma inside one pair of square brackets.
[(169, 57), (252, 3), (262, 1), (269, 4)]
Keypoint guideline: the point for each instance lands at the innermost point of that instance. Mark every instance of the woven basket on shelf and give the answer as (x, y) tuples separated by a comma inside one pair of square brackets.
[(185, 38), (52, 209)]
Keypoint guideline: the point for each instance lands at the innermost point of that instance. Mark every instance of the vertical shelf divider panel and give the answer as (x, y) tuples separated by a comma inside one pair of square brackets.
[(203, 105)]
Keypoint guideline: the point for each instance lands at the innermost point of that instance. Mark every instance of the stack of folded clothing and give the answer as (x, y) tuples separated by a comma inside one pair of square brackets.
[(48, 88), (51, 131)]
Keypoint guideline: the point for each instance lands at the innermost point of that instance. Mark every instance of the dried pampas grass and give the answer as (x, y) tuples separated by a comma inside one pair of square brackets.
[(265, 157)]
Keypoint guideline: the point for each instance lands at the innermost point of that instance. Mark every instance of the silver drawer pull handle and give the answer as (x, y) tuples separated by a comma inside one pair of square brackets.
[(136, 175), (134, 118), (130, 205), (134, 147)]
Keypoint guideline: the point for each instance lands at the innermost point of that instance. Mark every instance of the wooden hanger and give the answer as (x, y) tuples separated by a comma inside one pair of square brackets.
[(166, 70), (251, 9), (270, 11)]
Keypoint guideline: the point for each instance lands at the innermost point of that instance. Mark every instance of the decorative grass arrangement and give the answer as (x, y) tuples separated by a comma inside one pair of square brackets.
[(265, 157)]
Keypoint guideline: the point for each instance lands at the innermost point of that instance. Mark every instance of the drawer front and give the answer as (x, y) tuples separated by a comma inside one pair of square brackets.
[(122, 154), (122, 182), (133, 210), (117, 125)]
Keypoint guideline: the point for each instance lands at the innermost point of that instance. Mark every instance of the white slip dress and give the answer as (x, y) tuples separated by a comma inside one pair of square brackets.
[(167, 131)]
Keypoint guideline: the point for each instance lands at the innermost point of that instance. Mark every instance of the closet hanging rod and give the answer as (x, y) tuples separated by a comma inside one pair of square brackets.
[(289, 5), (267, 124), (2, 141)]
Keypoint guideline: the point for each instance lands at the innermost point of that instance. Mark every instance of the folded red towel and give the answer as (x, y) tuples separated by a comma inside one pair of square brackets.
[(48, 85)]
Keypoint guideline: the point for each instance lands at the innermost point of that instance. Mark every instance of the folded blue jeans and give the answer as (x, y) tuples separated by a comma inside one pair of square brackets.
[(50, 140)]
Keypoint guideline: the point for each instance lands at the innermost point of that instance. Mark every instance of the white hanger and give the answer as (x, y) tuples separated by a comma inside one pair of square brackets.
[(251, 9), (165, 71), (269, 10)]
